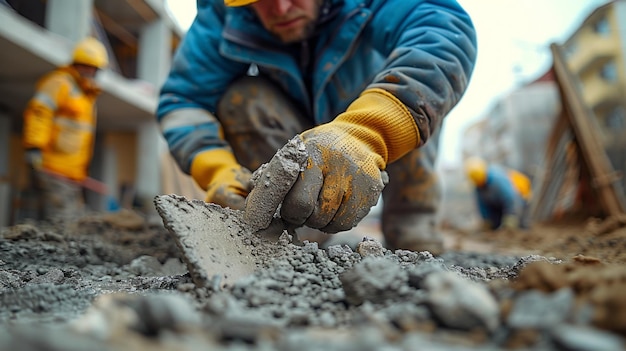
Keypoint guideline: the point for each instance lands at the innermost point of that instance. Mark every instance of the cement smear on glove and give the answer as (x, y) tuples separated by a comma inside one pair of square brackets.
[(272, 181)]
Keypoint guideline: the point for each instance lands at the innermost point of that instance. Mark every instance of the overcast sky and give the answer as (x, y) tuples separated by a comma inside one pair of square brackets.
[(513, 48)]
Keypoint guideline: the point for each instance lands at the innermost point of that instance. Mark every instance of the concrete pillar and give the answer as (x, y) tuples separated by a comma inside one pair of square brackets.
[(148, 182), (153, 63), (69, 18), (5, 185), (154, 56)]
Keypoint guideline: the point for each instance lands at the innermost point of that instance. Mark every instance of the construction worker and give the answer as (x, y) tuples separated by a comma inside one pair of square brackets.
[(502, 194), (59, 129), (365, 85)]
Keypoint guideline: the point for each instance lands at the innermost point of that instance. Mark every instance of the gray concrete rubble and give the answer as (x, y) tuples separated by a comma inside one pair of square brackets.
[(92, 285)]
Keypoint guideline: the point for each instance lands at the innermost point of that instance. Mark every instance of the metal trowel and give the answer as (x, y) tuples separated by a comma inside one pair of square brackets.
[(221, 245)]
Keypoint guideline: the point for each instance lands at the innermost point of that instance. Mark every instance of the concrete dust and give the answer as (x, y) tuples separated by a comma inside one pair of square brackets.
[(91, 284)]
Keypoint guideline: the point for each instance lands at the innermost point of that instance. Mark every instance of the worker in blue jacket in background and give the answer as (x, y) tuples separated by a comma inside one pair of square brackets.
[(364, 84), (502, 194)]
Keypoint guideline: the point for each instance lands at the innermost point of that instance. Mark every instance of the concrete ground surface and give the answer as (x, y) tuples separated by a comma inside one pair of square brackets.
[(117, 282)]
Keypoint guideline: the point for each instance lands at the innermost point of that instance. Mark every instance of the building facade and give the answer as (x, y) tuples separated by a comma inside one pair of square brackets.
[(513, 132), (516, 131)]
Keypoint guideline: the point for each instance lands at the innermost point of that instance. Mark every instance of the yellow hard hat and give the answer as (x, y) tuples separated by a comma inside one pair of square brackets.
[(236, 3), (476, 169), (91, 52)]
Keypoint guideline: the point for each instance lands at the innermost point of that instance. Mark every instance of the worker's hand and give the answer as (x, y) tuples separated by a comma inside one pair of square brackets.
[(229, 187), (510, 222), (344, 174), (226, 182), (341, 182), (34, 158)]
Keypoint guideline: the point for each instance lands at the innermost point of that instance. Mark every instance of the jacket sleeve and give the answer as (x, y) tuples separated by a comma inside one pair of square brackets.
[(39, 113), (198, 77), (430, 47)]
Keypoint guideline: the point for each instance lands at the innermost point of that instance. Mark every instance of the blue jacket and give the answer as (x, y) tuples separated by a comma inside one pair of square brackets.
[(499, 196), (422, 51)]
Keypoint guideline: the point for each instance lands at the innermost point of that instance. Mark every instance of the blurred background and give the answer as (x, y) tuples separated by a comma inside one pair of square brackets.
[(547, 97)]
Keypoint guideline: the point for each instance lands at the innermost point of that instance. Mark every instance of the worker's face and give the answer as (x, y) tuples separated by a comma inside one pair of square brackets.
[(289, 20), (86, 71)]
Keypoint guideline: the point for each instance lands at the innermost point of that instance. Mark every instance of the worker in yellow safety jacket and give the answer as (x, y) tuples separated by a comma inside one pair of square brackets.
[(59, 128), (502, 194)]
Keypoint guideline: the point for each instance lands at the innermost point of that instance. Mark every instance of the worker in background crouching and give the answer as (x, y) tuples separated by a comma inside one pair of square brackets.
[(502, 194), (363, 88), (59, 129)]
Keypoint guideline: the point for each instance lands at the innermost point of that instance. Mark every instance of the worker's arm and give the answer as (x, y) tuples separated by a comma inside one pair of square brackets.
[(196, 135), (198, 77), (187, 104), (431, 51), (39, 113), (39, 116), (344, 175), (38, 120)]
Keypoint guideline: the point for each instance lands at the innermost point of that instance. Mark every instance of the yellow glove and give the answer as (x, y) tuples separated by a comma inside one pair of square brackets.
[(510, 222), (226, 182), (346, 160)]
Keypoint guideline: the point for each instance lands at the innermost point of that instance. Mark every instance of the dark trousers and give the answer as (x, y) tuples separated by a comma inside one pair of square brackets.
[(60, 198)]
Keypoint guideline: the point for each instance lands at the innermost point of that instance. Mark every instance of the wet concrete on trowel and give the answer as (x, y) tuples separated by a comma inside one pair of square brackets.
[(106, 288), (221, 245)]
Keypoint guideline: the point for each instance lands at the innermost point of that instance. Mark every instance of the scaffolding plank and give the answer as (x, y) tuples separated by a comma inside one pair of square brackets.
[(593, 154)]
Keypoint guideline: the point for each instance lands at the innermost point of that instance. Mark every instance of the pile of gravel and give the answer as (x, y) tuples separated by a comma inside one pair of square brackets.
[(308, 299)]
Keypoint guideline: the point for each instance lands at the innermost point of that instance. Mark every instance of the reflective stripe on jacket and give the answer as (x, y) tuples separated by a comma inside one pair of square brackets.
[(60, 120), (422, 51)]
